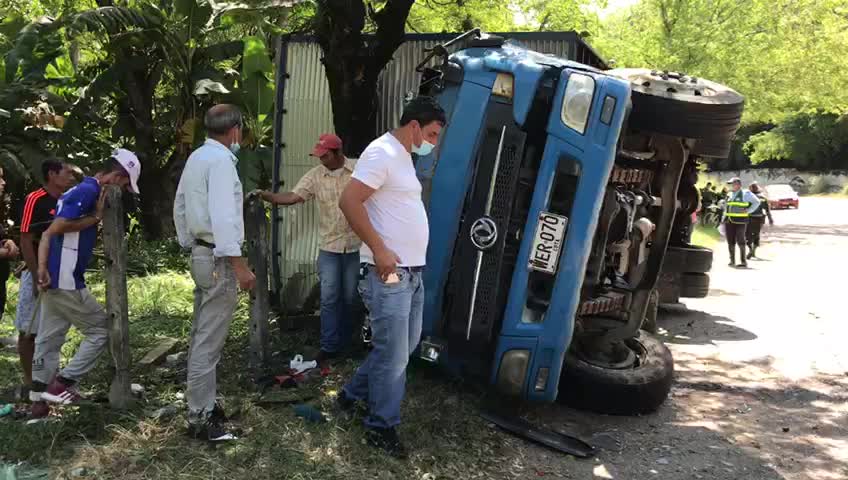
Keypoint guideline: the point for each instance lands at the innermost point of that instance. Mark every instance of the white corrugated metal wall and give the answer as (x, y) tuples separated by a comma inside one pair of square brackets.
[(309, 113)]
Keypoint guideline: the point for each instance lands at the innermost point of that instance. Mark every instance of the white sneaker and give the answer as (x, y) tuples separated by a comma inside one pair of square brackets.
[(299, 366)]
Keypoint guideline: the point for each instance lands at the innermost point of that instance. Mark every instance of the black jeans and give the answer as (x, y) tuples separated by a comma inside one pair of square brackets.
[(753, 232), (5, 271), (735, 233)]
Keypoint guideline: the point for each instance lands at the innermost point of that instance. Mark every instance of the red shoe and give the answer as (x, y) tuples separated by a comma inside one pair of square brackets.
[(59, 393), (39, 410)]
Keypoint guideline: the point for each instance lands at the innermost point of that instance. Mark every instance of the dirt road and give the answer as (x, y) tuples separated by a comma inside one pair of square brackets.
[(761, 387)]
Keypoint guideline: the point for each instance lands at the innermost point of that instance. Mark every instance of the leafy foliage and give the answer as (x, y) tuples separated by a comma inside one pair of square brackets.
[(815, 141)]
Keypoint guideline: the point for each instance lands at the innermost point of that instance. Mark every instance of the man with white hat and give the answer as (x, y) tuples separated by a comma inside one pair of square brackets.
[(740, 204), (64, 252)]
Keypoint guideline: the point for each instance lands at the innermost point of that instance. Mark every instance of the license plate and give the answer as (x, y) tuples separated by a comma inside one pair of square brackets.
[(547, 242)]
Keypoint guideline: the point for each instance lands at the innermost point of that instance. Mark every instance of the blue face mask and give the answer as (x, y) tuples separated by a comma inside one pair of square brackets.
[(424, 149), (235, 147)]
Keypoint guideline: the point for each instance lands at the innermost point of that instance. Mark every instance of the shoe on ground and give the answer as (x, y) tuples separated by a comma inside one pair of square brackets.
[(387, 440), (212, 431), (345, 407), (39, 409), (324, 357), (219, 414), (743, 266), (732, 264), (60, 394)]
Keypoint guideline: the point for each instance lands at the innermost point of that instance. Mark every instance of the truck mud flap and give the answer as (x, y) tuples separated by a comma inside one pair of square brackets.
[(555, 440)]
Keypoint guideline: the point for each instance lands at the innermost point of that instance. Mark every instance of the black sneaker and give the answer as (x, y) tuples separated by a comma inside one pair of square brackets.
[(344, 406), (387, 440), (218, 414), (213, 431)]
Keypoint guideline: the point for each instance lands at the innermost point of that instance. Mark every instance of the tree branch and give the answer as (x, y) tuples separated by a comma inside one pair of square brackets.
[(390, 21)]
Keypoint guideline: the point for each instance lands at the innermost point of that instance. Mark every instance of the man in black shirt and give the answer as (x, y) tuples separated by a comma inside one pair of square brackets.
[(36, 213)]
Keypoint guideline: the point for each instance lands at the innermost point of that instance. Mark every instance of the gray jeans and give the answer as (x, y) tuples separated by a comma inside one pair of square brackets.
[(215, 299), (59, 310)]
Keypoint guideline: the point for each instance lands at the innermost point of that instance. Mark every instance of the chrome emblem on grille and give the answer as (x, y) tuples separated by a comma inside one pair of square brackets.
[(484, 233)]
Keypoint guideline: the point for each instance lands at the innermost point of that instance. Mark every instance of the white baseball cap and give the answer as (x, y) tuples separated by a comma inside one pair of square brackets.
[(130, 162)]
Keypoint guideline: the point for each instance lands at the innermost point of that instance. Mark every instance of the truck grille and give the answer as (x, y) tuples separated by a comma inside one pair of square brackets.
[(488, 300)]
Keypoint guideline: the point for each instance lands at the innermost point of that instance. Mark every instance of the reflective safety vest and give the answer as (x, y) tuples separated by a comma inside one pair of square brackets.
[(737, 209), (760, 211)]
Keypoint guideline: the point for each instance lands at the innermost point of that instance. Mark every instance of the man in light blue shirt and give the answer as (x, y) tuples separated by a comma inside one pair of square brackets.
[(738, 208), (208, 217)]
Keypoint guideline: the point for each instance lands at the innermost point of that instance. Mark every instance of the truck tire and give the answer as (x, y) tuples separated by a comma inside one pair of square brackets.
[(632, 391), (717, 147), (687, 259), (694, 285), (675, 104)]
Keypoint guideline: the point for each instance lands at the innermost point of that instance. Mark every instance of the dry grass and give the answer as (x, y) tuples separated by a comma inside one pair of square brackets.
[(440, 422)]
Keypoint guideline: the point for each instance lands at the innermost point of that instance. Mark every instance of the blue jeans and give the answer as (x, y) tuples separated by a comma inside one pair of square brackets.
[(396, 315), (339, 275)]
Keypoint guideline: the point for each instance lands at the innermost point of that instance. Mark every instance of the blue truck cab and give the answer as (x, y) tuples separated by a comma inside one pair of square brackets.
[(550, 215)]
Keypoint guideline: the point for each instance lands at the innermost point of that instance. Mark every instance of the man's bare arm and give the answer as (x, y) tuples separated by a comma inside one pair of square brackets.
[(61, 225), (29, 253), (352, 204), (282, 198)]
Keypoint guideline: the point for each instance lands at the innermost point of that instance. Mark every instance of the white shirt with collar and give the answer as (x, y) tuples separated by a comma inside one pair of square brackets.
[(209, 201)]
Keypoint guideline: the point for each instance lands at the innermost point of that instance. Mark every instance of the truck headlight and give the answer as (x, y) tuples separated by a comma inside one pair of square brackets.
[(512, 371), (578, 100)]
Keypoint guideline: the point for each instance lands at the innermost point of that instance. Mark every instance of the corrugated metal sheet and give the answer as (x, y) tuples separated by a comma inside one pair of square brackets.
[(309, 113)]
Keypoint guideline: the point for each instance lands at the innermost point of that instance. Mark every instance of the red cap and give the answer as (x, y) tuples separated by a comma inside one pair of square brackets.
[(326, 142)]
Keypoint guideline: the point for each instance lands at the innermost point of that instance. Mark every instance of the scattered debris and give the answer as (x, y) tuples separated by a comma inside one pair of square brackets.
[(663, 461), (309, 413), (175, 359), (299, 366), (6, 410), (167, 411), (785, 429), (556, 440), (159, 352), (607, 441), (79, 472), (137, 389)]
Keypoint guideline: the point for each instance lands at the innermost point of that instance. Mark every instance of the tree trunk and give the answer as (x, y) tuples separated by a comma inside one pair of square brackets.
[(353, 62)]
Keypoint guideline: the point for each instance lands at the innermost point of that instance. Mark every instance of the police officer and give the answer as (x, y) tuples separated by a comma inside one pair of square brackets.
[(758, 218), (740, 205)]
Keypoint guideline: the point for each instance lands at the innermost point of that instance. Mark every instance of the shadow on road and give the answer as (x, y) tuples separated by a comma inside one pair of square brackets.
[(694, 327)]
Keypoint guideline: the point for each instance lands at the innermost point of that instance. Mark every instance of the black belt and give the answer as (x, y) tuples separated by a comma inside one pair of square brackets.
[(204, 243), (408, 269)]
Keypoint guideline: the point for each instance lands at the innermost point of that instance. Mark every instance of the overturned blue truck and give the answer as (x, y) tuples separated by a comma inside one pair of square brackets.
[(559, 197)]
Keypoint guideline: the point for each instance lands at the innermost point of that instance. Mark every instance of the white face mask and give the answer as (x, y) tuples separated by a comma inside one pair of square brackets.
[(424, 149), (235, 147)]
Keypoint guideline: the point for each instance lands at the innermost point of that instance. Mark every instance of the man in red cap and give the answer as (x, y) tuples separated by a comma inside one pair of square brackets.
[(338, 258)]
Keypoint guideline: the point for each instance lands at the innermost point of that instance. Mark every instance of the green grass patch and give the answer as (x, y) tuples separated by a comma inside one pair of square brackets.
[(440, 422), (705, 236)]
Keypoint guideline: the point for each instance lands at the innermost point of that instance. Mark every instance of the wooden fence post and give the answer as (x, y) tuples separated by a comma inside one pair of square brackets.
[(256, 228), (115, 250)]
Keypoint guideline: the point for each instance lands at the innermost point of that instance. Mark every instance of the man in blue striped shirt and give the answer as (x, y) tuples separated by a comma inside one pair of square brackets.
[(64, 253)]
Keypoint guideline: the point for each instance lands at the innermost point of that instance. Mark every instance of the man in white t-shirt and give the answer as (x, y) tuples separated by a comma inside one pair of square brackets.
[(383, 205)]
